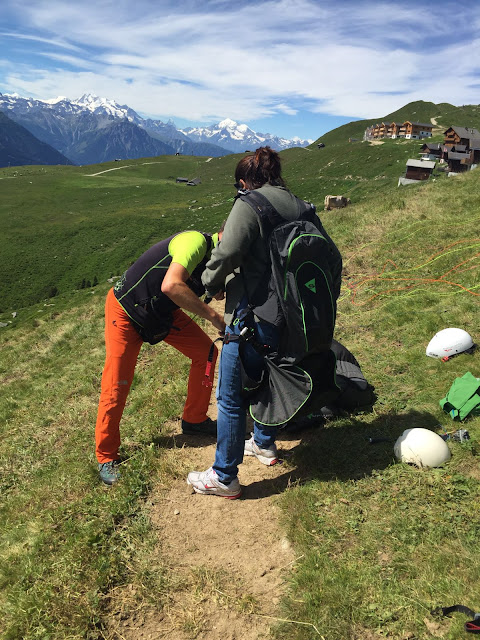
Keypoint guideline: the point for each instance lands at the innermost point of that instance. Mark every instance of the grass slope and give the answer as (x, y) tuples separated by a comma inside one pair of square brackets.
[(379, 544), (67, 542), (383, 543), (64, 226)]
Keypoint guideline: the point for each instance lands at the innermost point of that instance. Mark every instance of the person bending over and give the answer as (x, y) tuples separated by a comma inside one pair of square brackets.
[(146, 305)]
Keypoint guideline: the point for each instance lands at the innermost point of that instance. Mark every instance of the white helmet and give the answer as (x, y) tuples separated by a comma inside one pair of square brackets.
[(421, 447), (448, 343)]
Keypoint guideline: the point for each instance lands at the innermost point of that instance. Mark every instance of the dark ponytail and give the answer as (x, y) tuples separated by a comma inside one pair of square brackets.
[(263, 167)]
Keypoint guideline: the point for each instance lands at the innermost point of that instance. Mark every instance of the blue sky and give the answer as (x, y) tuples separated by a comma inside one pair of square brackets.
[(287, 67)]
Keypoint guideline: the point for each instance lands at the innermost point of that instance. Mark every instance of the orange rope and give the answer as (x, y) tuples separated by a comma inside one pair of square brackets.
[(354, 287)]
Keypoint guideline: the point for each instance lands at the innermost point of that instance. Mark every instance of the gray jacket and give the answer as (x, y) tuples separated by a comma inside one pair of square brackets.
[(242, 245)]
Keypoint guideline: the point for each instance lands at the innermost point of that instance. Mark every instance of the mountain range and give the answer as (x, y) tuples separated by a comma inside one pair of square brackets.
[(91, 130), (18, 146)]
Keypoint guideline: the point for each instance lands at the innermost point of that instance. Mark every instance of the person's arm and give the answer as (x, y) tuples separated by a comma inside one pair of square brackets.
[(175, 287), (241, 230)]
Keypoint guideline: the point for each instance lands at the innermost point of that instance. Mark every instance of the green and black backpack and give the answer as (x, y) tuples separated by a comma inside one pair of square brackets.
[(301, 299)]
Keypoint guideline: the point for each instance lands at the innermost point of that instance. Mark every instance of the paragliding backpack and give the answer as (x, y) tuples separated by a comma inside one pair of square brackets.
[(304, 278), (303, 286)]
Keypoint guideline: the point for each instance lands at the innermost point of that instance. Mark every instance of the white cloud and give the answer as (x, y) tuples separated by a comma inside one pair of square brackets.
[(49, 41), (206, 62)]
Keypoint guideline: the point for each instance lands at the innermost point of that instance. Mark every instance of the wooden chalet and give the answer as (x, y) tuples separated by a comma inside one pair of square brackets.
[(414, 130), (382, 129), (461, 148), (431, 151), (458, 162), (375, 131), (368, 133), (393, 129), (407, 129), (475, 149), (460, 135), (419, 169)]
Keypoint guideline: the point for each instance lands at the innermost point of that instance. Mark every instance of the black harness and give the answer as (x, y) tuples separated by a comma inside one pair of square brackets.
[(472, 626)]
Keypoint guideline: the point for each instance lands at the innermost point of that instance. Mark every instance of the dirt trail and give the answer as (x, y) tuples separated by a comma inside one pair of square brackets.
[(227, 559)]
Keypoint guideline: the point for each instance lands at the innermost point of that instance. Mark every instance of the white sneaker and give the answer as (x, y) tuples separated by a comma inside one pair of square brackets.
[(266, 456), (207, 482)]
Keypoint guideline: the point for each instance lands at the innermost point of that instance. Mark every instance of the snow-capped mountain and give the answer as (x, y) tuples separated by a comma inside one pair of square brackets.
[(239, 137), (63, 106), (105, 106), (74, 128)]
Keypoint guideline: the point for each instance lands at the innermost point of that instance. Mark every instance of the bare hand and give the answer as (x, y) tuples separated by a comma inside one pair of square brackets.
[(219, 323)]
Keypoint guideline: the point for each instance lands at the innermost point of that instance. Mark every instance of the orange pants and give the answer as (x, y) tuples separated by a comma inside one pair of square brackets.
[(123, 345)]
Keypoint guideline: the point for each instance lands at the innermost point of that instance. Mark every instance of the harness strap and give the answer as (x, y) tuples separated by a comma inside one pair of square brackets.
[(207, 381), (247, 334), (472, 626)]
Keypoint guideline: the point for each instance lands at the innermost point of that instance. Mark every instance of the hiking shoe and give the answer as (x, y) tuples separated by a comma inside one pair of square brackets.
[(109, 473), (206, 428), (207, 482), (266, 456)]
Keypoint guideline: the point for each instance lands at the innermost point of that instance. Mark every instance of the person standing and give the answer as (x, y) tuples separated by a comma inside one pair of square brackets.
[(146, 305), (240, 266)]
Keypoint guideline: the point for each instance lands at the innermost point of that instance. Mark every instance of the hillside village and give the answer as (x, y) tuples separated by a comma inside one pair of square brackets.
[(459, 151), (408, 130)]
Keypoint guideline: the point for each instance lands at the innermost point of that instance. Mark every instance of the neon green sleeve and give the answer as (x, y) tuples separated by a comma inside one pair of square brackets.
[(188, 249)]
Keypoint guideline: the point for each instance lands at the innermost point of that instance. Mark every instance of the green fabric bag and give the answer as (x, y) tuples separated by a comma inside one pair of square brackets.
[(463, 398)]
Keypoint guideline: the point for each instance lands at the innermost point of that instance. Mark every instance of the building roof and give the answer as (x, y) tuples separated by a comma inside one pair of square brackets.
[(420, 124), (452, 155), (460, 147), (475, 143), (434, 146), (464, 132), (424, 164)]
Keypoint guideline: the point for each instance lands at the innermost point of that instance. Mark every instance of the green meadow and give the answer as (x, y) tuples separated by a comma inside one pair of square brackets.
[(379, 544)]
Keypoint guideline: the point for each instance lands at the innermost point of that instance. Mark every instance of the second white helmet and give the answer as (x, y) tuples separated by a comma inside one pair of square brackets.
[(448, 343), (421, 447)]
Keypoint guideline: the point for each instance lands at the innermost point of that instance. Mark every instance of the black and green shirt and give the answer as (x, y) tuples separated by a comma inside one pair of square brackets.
[(139, 290)]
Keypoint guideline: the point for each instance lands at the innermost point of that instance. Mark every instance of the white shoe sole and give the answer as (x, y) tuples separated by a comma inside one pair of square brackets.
[(269, 462), (213, 492)]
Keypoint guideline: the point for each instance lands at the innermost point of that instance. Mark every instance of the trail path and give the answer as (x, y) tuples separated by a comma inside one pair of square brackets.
[(226, 558), (124, 166)]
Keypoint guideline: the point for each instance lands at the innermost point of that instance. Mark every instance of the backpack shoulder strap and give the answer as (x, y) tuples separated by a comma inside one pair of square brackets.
[(270, 217), (266, 212), (209, 241)]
